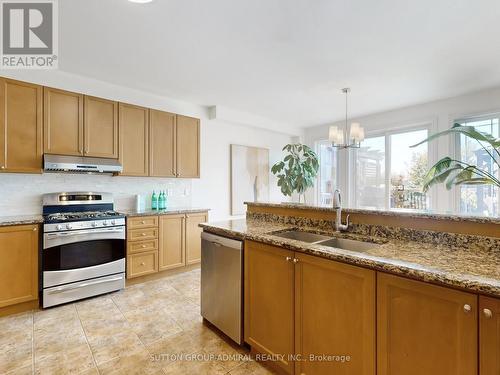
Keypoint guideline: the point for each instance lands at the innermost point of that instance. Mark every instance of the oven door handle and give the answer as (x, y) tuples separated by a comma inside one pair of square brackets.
[(69, 288), (82, 232)]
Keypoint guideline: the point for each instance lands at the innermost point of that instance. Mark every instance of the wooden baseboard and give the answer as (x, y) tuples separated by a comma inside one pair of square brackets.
[(19, 308), (161, 274)]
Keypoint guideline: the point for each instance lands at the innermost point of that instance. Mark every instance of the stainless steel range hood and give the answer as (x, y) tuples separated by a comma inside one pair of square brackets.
[(79, 164)]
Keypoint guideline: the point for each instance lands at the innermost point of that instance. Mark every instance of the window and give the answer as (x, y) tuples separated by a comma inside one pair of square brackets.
[(389, 174), (327, 177), (481, 200)]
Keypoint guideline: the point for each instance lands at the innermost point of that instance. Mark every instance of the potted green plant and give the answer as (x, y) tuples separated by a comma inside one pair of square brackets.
[(297, 171), (456, 172)]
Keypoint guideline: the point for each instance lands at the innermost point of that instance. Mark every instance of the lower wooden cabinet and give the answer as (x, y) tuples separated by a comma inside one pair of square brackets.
[(334, 317), (425, 329), (175, 238), (142, 263), (172, 235), (269, 302), (489, 336), (193, 234), (18, 264)]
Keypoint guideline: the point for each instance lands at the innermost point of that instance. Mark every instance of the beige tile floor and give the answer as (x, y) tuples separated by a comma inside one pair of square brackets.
[(149, 328)]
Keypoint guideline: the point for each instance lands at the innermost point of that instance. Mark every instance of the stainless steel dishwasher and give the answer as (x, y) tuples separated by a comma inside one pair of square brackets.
[(222, 284)]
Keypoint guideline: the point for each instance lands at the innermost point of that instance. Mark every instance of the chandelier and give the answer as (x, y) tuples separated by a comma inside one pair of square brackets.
[(345, 136)]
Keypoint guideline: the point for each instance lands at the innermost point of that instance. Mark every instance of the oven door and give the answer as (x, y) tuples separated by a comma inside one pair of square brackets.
[(82, 254)]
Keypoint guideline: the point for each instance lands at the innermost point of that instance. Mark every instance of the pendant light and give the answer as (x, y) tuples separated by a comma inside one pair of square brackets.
[(346, 137)]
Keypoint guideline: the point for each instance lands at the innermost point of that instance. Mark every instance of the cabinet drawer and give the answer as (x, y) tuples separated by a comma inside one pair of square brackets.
[(142, 234), (142, 222), (141, 246), (142, 264)]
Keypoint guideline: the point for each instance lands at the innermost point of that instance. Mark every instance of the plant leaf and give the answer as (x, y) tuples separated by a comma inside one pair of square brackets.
[(468, 131)]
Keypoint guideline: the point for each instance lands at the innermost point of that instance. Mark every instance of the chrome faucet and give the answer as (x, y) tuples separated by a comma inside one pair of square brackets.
[(337, 205)]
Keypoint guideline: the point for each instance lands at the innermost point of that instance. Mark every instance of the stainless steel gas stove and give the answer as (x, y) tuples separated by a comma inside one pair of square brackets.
[(83, 251)]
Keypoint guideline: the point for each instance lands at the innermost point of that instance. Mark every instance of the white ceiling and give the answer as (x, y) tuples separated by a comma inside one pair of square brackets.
[(286, 60)]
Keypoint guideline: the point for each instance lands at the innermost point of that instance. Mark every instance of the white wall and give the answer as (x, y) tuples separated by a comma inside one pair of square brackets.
[(441, 114), (21, 194)]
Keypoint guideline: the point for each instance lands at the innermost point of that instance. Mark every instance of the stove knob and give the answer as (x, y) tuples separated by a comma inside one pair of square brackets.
[(69, 226), (113, 222), (94, 224), (105, 223), (59, 227)]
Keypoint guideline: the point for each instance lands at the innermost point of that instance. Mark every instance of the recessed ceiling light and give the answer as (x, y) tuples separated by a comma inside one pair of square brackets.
[(140, 1)]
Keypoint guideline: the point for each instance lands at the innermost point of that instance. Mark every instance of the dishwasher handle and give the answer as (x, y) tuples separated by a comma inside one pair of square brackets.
[(220, 241)]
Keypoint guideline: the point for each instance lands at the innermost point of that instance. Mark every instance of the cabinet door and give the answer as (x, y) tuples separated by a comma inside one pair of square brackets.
[(18, 264), (134, 139), (142, 264), (269, 302), (20, 127), (101, 128), (63, 122), (171, 243), (161, 144), (424, 329), (193, 237), (188, 146), (489, 336), (334, 316)]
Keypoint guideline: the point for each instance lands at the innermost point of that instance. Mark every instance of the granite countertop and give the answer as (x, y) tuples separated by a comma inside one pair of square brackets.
[(20, 220), (395, 212), (474, 270), (168, 211)]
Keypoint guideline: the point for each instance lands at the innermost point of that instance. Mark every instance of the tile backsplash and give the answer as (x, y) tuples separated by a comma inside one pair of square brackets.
[(21, 194)]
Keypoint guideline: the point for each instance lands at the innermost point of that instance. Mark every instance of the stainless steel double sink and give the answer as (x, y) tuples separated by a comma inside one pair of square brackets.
[(320, 239)]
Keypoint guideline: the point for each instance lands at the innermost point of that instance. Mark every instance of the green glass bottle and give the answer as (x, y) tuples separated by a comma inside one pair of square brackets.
[(154, 201), (161, 201)]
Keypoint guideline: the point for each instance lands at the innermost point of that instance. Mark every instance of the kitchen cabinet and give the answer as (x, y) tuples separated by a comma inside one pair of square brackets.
[(489, 336), (63, 122), (100, 128), (134, 139), (193, 235), (334, 316), (187, 147), (162, 144), (142, 246), (18, 264), (269, 302), (172, 241), (424, 328), (21, 143)]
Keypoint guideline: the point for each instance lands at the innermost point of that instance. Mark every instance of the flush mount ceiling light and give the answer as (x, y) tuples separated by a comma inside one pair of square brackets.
[(345, 137), (140, 1)]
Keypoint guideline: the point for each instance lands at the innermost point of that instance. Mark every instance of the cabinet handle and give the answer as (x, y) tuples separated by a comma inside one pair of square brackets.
[(487, 313), (288, 259), (2, 167), (467, 308), (143, 246), (143, 264), (295, 260), (143, 234), (143, 222), (81, 151), (34, 229)]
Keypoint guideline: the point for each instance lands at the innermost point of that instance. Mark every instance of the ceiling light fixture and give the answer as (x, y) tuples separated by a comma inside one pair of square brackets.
[(140, 1), (344, 137)]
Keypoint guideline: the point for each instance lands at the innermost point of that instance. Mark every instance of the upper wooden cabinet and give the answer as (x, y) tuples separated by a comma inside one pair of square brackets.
[(63, 122), (162, 153), (20, 127), (425, 329), (18, 264), (489, 336), (100, 128), (269, 302), (334, 316), (134, 139), (188, 146), (193, 233)]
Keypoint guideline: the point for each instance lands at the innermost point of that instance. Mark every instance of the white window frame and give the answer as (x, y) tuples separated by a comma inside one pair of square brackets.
[(456, 149), (429, 125), (335, 172)]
